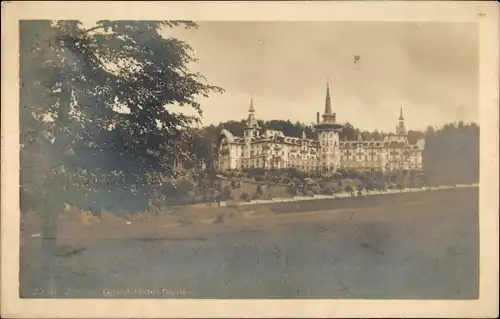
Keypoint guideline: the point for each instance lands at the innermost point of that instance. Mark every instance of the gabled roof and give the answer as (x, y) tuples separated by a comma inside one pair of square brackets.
[(421, 144), (228, 135)]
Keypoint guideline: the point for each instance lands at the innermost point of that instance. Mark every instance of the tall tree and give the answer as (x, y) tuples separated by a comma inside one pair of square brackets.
[(94, 112), (451, 154), (415, 136), (349, 132)]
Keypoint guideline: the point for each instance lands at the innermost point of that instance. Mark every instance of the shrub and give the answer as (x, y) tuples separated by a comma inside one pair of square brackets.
[(245, 197), (370, 184), (316, 189), (259, 190), (309, 193), (381, 185), (226, 193), (292, 190), (253, 172), (342, 172), (294, 173), (352, 174), (337, 176), (235, 184)]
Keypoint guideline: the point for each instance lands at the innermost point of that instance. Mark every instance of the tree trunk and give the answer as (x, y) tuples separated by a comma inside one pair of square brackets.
[(55, 200)]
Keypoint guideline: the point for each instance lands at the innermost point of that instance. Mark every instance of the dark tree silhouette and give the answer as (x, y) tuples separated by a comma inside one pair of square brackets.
[(415, 136), (451, 154), (245, 197), (94, 113)]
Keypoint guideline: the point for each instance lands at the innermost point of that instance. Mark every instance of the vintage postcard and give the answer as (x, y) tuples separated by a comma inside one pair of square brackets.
[(250, 159)]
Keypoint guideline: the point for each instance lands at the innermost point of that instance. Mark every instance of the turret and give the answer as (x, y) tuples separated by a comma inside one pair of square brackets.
[(328, 116), (328, 135), (251, 125), (329, 122)]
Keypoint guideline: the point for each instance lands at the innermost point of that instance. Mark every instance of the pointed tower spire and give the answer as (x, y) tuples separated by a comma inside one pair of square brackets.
[(401, 130), (251, 110), (251, 121), (328, 102), (328, 116), (329, 123)]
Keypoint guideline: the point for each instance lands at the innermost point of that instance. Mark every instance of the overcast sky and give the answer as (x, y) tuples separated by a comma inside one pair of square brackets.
[(430, 69)]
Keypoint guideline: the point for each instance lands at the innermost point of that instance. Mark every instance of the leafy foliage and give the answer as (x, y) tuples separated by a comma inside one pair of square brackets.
[(452, 154), (95, 117)]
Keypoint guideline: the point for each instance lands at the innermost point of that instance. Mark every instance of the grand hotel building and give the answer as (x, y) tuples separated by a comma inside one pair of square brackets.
[(259, 148)]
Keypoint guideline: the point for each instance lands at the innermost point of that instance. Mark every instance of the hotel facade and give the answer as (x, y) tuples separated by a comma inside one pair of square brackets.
[(268, 149)]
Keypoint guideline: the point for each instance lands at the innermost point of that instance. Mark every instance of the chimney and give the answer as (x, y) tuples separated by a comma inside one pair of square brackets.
[(317, 117)]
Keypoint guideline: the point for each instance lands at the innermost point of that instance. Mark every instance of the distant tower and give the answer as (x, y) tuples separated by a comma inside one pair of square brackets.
[(252, 126), (401, 130), (328, 136)]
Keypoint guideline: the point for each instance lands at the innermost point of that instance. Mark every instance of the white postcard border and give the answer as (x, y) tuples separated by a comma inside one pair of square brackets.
[(483, 13)]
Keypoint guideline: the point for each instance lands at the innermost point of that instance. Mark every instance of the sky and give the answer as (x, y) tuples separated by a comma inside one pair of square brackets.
[(373, 68)]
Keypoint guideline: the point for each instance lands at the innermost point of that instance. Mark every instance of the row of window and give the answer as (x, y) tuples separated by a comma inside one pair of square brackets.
[(278, 165), (325, 135), (258, 149), (360, 158), (328, 143), (313, 166), (346, 155)]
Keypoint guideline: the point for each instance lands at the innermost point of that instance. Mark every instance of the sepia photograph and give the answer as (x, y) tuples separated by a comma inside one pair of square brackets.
[(245, 159)]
